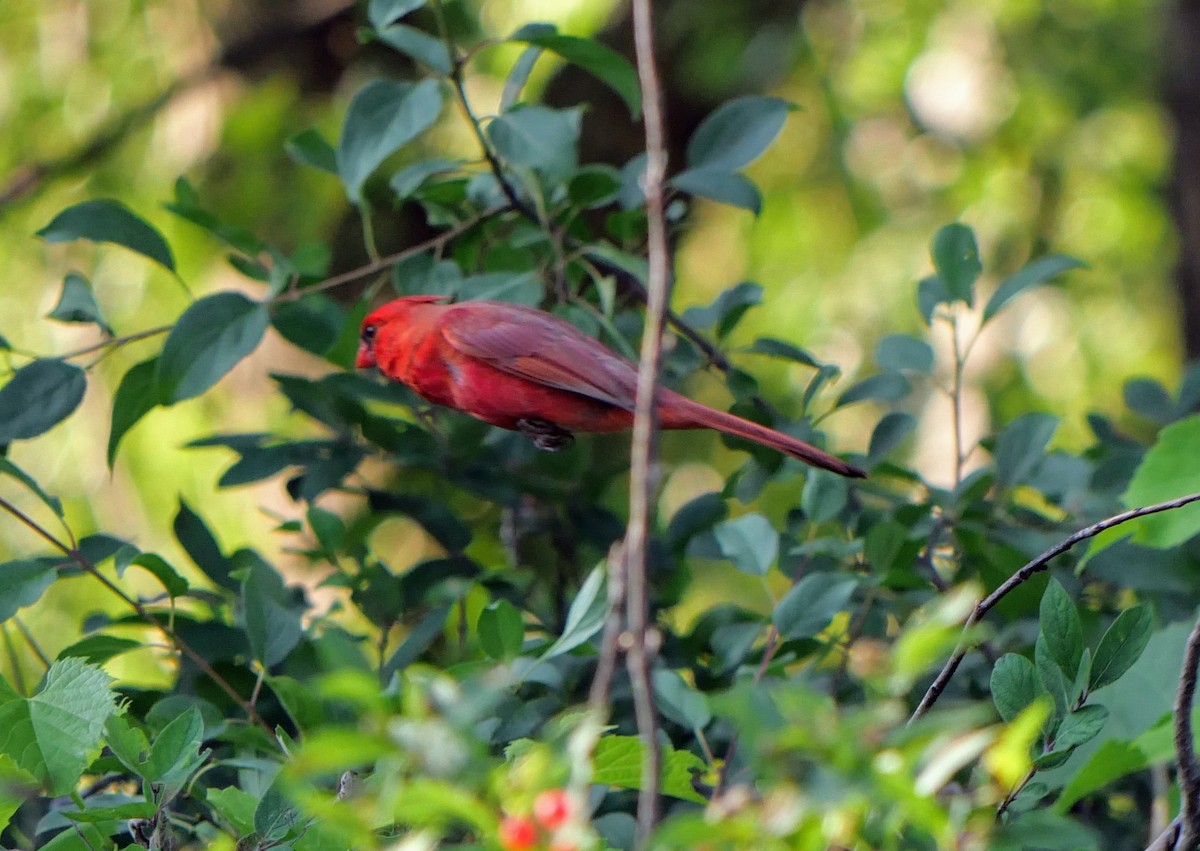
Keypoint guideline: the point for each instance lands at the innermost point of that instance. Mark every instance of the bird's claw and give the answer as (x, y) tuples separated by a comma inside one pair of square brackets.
[(545, 434)]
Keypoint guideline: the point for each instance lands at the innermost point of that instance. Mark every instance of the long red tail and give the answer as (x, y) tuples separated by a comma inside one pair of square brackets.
[(681, 412)]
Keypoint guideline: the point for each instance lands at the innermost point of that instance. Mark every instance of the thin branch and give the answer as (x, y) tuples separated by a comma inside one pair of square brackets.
[(1168, 840), (1035, 566), (644, 473), (145, 614), (1185, 747)]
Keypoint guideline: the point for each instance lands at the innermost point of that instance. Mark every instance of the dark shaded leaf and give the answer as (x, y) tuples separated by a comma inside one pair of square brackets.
[(76, 303), (812, 603), (208, 340), (889, 433), (716, 184), (112, 222), (38, 397), (136, 396), (1032, 274), (736, 133), (885, 387), (1021, 447), (899, 352), (1014, 685), (956, 260), (601, 61), (384, 115), (1121, 646), (271, 609), (537, 137)]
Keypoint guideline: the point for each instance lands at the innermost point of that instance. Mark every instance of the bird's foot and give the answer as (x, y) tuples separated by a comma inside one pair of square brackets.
[(545, 434)]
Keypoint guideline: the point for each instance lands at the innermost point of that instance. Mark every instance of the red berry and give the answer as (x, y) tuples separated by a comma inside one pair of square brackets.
[(518, 833), (553, 808)]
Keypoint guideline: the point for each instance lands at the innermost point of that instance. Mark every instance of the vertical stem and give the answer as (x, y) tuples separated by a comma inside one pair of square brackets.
[(643, 462), (956, 398)]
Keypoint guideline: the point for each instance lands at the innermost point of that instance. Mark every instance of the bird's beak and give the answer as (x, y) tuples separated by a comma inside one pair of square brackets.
[(365, 357)]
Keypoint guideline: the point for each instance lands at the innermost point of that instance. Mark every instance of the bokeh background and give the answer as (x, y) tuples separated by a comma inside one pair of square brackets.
[(1046, 126)]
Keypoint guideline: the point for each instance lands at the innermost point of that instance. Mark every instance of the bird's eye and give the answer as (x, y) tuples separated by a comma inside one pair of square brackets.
[(368, 333)]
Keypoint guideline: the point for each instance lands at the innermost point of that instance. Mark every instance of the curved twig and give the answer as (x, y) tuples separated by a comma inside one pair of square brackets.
[(1035, 566), (1185, 747)]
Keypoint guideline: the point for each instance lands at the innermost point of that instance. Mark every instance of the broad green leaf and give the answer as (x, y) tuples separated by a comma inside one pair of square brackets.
[(1080, 726), (594, 185), (780, 349), (824, 495), (174, 584), (127, 742), (384, 116), (174, 753), (112, 222), (412, 177), (314, 322), (602, 62), (618, 762), (1168, 471), (537, 137), (956, 259), (1060, 627), (501, 630), (1014, 685), (1121, 646), (518, 77), (1147, 397), (695, 516), (309, 147), (328, 529), (417, 44), (750, 542), (98, 649), (1031, 275), (1021, 447), (885, 387), (811, 604), (136, 396), (76, 303), (515, 287), (208, 340), (83, 837), (717, 184), (1045, 831), (585, 617), (736, 133), (55, 734), (726, 309), (38, 397), (271, 610), (8, 468), (275, 816), (902, 352), (931, 292), (23, 582), (1052, 678), (299, 701), (202, 548), (889, 433), (679, 701), (383, 13), (1113, 760)]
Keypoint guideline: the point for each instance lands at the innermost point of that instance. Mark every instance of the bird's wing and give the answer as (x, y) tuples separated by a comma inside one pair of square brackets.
[(540, 348)]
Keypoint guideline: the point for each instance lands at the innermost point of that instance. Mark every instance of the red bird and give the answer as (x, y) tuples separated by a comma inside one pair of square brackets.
[(525, 370)]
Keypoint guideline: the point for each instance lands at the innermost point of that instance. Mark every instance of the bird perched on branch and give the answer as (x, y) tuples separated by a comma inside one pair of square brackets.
[(528, 371)]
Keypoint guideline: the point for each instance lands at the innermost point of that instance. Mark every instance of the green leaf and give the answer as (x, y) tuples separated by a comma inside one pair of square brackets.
[(1147, 397), (328, 529), (1112, 760), (1167, 471), (309, 147), (23, 582), (1080, 726), (419, 45), (889, 433), (518, 76), (594, 186), (1121, 646), (55, 734), (716, 184), (435, 517), (208, 340), (275, 817), (235, 806), (618, 762), (785, 351), (1052, 677), (811, 604), (679, 701), (956, 260), (174, 754), (202, 548), (382, 13), (902, 352), (136, 396), (727, 309), (8, 468), (383, 116), (602, 62), (537, 137), (750, 542), (127, 742), (736, 133), (299, 701), (824, 495), (271, 610), (514, 287), (112, 222), (422, 635), (412, 177), (1031, 275), (1045, 831), (76, 303), (38, 397), (585, 617), (174, 584), (885, 387), (931, 292), (501, 630), (314, 322), (1060, 627), (1021, 448), (98, 649), (1014, 685)]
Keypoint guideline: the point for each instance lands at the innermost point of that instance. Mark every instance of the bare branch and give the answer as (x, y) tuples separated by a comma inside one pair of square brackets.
[(1185, 747), (1035, 566)]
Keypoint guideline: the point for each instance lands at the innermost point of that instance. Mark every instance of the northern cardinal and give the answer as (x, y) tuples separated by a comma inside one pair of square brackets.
[(528, 371)]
